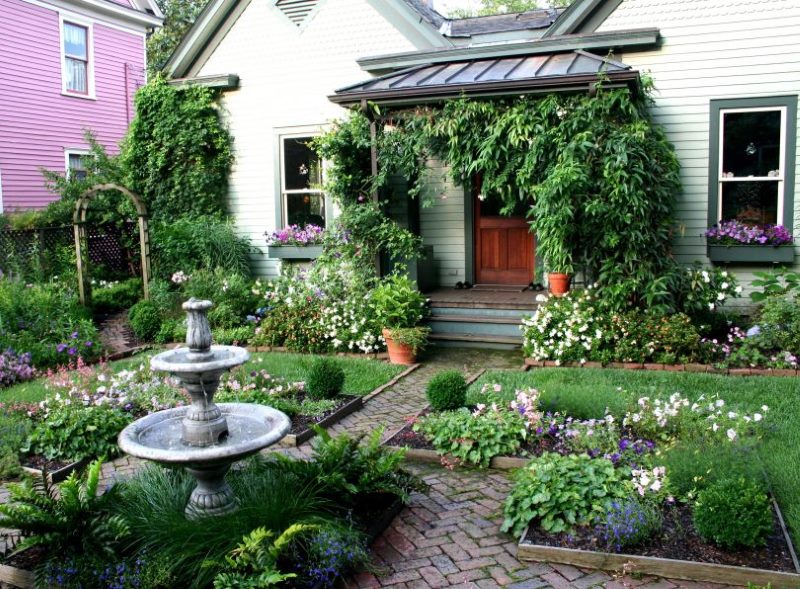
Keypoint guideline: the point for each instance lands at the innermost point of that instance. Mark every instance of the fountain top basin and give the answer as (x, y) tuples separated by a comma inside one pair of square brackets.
[(157, 437), (184, 360)]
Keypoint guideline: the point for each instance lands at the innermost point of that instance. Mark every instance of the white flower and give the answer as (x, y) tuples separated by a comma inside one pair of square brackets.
[(724, 286), (757, 417), (731, 434), (764, 408), (738, 290), (711, 306), (720, 296)]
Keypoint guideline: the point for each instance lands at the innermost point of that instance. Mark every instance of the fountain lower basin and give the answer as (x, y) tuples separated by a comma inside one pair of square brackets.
[(157, 436)]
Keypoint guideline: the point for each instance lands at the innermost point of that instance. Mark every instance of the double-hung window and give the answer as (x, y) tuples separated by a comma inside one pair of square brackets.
[(751, 175), (77, 164), (303, 202), (76, 40)]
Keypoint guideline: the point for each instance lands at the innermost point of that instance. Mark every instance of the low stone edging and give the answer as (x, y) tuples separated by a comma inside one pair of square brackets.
[(697, 368), (13, 577), (60, 474)]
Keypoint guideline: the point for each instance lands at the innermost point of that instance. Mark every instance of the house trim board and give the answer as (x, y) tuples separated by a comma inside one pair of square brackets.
[(469, 233), (410, 24), (787, 101), (223, 82), (643, 38), (86, 12), (582, 16)]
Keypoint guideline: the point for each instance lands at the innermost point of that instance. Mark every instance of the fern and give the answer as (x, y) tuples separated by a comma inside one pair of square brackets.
[(71, 518)]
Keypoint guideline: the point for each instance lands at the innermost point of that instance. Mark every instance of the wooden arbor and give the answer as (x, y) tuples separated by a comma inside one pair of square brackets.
[(81, 243)]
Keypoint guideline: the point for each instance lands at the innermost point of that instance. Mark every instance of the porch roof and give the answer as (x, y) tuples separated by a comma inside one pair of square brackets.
[(552, 72)]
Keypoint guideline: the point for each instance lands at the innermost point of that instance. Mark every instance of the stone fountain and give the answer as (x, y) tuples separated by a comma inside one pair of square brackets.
[(203, 437)]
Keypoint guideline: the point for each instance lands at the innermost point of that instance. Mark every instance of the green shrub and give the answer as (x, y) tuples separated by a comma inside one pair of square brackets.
[(232, 336), (694, 465), (447, 391), (298, 327), (225, 288), (222, 316), (115, 296), (397, 302), (559, 493), (70, 431), (145, 320), (14, 431), (193, 243), (171, 330), (47, 321), (325, 379), (733, 513), (474, 438)]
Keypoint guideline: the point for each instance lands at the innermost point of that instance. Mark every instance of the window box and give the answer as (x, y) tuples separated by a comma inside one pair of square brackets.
[(751, 254), (295, 252)]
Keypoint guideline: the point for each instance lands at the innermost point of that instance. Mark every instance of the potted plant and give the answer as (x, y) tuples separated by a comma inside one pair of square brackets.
[(399, 307), (558, 262), (733, 241), (295, 242)]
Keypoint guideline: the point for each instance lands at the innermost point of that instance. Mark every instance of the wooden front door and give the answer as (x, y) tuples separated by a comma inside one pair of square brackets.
[(504, 245)]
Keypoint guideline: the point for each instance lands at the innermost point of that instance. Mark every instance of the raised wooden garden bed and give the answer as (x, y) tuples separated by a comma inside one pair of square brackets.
[(687, 558), (56, 475), (301, 430)]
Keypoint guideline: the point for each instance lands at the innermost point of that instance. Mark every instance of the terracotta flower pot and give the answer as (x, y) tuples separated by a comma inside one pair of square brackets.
[(398, 353), (559, 283)]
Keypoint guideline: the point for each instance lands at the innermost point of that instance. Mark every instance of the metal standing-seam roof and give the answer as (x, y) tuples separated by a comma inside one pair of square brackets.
[(564, 71)]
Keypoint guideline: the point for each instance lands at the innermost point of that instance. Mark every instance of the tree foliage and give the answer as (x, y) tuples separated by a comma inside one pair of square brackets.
[(178, 152), (490, 7), (179, 16)]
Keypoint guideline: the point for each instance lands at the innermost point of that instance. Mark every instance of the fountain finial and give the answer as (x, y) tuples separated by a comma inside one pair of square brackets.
[(198, 330)]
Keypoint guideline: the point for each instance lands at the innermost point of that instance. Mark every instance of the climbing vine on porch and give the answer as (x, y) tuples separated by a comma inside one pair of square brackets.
[(600, 177)]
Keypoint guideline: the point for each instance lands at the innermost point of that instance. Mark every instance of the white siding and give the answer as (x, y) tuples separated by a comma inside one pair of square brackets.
[(711, 49), (286, 76), (442, 224)]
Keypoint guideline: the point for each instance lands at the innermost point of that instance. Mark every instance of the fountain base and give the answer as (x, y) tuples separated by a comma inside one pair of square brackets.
[(212, 496)]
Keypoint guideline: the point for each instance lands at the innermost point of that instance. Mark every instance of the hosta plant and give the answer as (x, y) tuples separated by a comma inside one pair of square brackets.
[(475, 437), (559, 493)]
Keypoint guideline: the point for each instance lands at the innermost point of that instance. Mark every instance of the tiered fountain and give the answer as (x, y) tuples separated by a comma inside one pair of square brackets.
[(203, 437)]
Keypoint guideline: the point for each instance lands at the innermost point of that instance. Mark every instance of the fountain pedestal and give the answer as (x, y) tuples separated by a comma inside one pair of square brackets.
[(204, 438)]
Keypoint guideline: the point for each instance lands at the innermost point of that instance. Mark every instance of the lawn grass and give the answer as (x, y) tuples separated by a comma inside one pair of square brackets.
[(361, 375), (592, 389)]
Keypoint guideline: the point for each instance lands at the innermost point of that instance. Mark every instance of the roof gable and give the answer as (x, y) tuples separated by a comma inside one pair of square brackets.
[(582, 16), (219, 16)]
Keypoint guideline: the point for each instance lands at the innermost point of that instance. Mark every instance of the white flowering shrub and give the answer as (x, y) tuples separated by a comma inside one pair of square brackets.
[(565, 328), (707, 289)]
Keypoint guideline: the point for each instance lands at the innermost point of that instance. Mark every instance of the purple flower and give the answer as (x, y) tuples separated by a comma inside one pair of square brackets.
[(72, 351), (89, 344), (61, 347), (74, 335)]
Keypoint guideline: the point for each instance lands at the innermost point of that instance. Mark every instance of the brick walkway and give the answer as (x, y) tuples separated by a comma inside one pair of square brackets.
[(450, 535), (116, 333)]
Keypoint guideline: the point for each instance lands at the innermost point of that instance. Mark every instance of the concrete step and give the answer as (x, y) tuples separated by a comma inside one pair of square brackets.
[(476, 340), (471, 312), (490, 326)]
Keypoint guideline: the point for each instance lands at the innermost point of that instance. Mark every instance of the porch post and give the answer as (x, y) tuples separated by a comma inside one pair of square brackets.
[(373, 150)]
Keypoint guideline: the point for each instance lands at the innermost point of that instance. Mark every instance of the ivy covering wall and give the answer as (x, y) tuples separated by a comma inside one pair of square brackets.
[(598, 176)]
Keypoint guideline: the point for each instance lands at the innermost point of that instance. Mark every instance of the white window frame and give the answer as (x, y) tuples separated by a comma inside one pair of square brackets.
[(73, 151), (780, 179), (64, 17), (284, 203)]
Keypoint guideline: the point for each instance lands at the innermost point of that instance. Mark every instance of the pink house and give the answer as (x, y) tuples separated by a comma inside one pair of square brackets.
[(65, 66)]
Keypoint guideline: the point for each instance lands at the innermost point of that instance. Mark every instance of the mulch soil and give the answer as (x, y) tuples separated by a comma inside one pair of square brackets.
[(680, 541), (40, 462)]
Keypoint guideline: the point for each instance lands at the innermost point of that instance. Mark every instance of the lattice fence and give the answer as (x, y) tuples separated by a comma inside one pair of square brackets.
[(46, 252)]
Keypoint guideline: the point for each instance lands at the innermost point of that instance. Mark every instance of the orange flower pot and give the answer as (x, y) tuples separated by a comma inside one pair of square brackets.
[(398, 353), (559, 283)]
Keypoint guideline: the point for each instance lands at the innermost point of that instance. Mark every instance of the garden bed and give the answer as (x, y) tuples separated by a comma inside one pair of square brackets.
[(301, 424), (693, 367), (678, 553), (419, 449), (56, 471)]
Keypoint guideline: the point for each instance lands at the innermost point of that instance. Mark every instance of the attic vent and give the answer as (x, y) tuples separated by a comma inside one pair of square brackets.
[(296, 11)]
